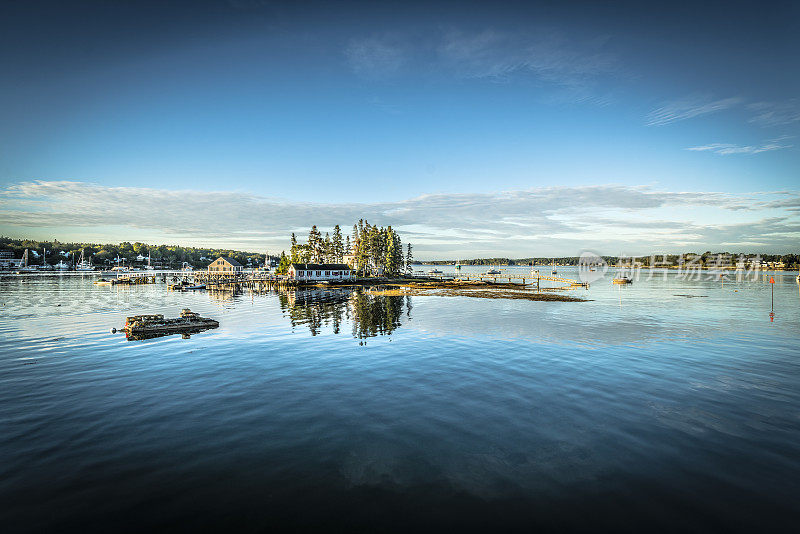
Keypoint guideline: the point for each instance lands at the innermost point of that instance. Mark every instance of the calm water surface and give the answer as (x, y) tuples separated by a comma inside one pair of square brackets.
[(670, 404)]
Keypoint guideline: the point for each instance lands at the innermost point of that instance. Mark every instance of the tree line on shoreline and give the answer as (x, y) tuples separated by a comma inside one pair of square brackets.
[(167, 256), (370, 253), (708, 258)]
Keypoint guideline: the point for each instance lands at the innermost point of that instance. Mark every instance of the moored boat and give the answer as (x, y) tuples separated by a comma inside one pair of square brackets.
[(83, 264), (196, 286), (62, 266), (622, 280)]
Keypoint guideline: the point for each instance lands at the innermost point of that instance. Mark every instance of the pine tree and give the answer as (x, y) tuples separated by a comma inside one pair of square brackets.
[(283, 266), (315, 244), (338, 247), (376, 246), (363, 246), (295, 257), (327, 249), (304, 253), (398, 252), (390, 258)]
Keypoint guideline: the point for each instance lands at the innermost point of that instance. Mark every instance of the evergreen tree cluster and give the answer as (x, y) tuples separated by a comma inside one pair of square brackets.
[(374, 248)]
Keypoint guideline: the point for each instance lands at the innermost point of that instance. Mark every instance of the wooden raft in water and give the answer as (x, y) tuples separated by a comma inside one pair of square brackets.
[(156, 324)]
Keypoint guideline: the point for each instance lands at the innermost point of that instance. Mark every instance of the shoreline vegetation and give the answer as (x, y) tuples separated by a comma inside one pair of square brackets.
[(200, 257), (693, 260)]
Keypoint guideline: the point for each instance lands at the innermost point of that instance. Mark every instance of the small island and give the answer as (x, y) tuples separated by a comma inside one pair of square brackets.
[(375, 259)]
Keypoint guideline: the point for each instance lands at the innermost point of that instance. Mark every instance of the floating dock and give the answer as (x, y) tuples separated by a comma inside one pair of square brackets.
[(156, 324)]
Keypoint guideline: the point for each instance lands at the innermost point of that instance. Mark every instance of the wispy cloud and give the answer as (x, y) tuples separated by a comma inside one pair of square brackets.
[(775, 113), (689, 108), (518, 223), (726, 149), (545, 54), (377, 56)]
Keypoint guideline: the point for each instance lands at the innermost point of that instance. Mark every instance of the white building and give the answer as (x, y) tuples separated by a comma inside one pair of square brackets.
[(312, 272)]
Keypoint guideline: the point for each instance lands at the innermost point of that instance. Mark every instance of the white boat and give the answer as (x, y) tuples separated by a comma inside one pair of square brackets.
[(196, 286), (62, 266), (23, 265), (554, 267), (493, 271), (84, 265), (434, 271)]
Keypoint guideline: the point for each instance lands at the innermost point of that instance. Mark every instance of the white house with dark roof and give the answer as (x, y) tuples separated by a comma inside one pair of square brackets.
[(312, 272)]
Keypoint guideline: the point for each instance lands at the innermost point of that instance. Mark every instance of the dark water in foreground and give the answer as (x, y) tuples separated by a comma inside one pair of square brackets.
[(641, 410)]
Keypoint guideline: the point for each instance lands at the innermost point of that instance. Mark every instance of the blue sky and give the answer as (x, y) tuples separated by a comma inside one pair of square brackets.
[(515, 128)]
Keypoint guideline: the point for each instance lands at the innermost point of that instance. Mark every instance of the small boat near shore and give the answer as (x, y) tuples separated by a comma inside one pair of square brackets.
[(622, 280), (434, 271), (103, 282), (493, 271)]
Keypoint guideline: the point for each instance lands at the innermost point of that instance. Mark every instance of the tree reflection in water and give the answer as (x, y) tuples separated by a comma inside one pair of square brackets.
[(370, 315)]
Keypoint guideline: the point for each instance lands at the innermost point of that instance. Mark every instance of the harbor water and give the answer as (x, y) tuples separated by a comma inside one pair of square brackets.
[(672, 404)]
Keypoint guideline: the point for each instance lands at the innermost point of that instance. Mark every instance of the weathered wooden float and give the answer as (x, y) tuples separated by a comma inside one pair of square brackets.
[(156, 324)]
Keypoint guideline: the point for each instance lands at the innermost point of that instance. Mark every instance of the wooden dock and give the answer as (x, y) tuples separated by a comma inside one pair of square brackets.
[(134, 278), (534, 277), (259, 281)]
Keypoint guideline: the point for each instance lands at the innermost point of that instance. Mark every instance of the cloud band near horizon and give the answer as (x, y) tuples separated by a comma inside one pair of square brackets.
[(547, 221)]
